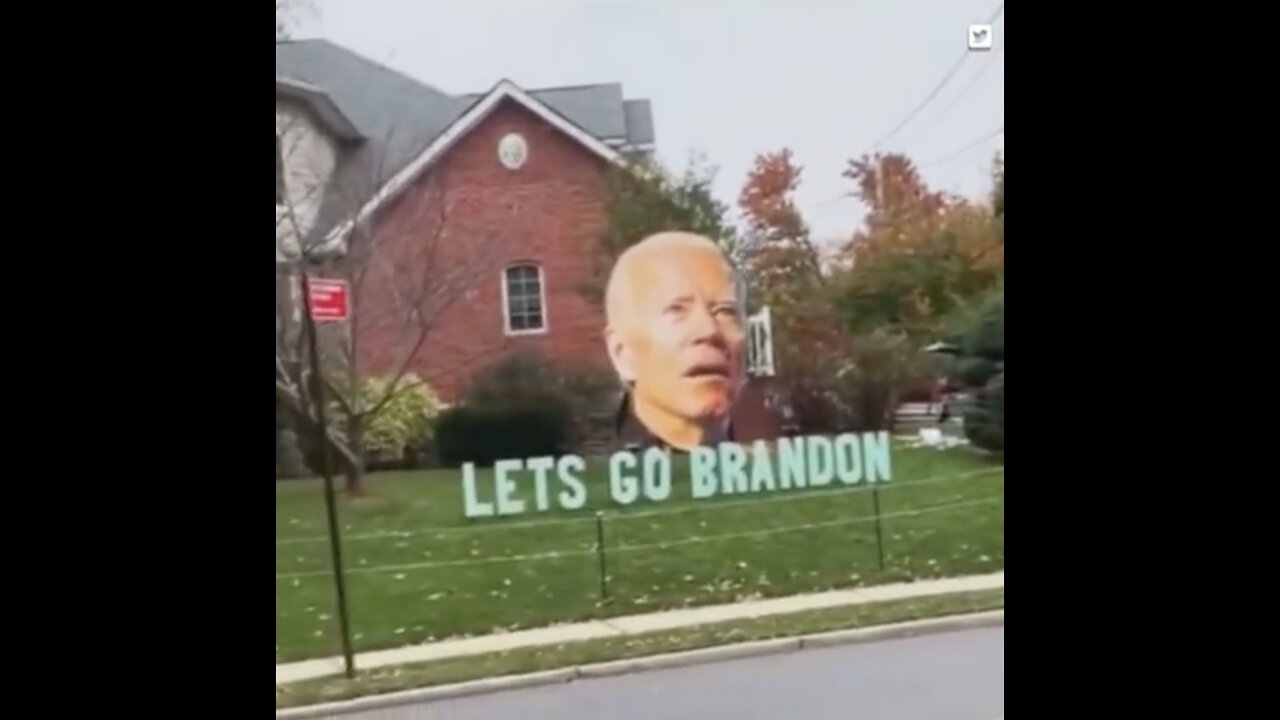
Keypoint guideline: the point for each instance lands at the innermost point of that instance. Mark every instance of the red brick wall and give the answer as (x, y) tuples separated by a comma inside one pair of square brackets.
[(550, 211)]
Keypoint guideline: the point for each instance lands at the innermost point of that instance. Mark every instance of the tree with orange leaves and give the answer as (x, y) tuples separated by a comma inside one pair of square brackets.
[(785, 272), (779, 257), (920, 255)]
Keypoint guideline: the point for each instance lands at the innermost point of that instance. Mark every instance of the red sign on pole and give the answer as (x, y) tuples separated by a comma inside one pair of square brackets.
[(328, 299)]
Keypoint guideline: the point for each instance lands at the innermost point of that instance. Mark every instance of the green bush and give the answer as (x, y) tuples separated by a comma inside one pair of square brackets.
[(986, 339), (289, 461), (401, 427), (520, 380), (520, 407), (982, 367), (593, 394), (984, 421), (974, 372), (483, 435), (291, 449)]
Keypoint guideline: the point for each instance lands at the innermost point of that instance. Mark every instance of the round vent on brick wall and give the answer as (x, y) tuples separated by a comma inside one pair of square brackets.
[(513, 151)]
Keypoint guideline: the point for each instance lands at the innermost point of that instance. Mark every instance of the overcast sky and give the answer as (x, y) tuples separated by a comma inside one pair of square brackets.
[(727, 78)]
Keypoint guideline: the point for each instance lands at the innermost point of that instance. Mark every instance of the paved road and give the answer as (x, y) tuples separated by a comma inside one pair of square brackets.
[(952, 676)]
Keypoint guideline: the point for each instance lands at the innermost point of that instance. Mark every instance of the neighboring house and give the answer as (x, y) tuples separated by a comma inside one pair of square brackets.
[(498, 195)]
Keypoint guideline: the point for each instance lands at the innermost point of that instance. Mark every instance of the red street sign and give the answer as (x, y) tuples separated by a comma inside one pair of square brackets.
[(328, 299)]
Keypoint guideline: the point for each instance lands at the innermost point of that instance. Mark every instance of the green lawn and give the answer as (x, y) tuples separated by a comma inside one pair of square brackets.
[(419, 571), (586, 652)]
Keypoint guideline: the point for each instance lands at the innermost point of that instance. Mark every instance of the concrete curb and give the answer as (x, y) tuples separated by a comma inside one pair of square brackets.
[(900, 631), (440, 692), (930, 626), (690, 657)]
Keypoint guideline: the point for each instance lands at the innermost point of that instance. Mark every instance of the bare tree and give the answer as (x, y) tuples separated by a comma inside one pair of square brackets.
[(406, 268)]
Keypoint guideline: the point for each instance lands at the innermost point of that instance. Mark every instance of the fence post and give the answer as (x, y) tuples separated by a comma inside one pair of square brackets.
[(875, 502), (604, 576)]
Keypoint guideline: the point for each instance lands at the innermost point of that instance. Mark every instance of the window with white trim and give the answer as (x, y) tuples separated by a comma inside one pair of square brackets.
[(760, 344), (524, 299)]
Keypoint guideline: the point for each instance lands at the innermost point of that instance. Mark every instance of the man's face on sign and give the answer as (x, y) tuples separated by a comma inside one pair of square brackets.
[(682, 344)]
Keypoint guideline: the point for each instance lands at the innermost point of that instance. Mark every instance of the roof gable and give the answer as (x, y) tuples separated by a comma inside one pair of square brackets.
[(397, 125), (465, 123)]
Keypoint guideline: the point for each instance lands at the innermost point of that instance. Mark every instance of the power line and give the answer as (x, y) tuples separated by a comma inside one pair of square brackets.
[(995, 15), (964, 149), (959, 96)]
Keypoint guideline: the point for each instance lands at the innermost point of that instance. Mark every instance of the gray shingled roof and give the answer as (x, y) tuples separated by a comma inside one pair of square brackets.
[(321, 105), (398, 116), (639, 122), (594, 108), (600, 110), (392, 109)]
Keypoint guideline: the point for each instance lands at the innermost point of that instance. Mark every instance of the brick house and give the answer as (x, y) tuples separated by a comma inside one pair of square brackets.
[(480, 215)]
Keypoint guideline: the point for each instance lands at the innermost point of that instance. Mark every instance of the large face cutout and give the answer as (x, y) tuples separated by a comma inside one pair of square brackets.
[(681, 340)]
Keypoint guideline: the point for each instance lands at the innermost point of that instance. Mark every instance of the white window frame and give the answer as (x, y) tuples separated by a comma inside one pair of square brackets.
[(760, 344), (542, 299)]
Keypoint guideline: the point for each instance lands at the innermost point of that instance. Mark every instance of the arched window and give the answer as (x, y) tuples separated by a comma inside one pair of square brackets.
[(524, 299)]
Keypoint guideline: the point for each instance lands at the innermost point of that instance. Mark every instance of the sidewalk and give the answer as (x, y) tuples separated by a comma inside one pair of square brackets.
[(635, 624)]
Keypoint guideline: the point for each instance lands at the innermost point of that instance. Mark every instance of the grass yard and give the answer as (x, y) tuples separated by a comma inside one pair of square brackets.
[(418, 571), (528, 660)]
